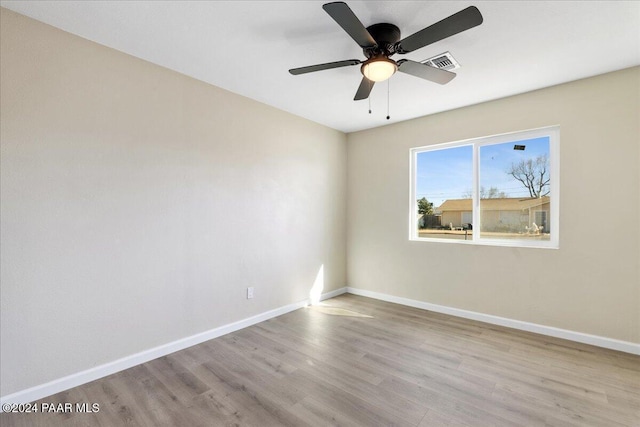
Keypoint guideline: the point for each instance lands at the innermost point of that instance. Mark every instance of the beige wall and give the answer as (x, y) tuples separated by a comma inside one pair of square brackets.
[(590, 285), (138, 204)]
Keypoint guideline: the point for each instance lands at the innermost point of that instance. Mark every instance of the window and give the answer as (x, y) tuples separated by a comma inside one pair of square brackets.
[(497, 190)]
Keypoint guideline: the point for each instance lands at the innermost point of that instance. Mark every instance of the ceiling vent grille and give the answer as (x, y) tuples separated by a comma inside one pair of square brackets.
[(444, 61)]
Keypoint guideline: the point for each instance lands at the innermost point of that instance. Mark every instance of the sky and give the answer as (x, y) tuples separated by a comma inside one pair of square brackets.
[(448, 173)]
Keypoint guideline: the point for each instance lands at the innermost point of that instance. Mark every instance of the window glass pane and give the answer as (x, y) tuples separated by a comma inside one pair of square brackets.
[(444, 179), (515, 196)]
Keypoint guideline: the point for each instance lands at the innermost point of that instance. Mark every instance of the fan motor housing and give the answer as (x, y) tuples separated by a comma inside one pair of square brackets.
[(386, 36)]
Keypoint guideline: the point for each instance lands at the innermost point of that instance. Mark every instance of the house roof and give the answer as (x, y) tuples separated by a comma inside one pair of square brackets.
[(499, 204)]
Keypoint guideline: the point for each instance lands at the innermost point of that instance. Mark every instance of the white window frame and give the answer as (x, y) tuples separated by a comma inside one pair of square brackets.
[(553, 132)]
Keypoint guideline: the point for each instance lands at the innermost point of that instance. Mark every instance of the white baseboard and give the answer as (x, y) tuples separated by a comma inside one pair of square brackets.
[(83, 377), (332, 294), (610, 343)]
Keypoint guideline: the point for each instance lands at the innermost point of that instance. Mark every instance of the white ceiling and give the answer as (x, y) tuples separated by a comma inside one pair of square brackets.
[(248, 46)]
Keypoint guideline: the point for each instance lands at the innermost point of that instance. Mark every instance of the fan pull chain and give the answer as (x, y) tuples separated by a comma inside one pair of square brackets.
[(388, 85), (369, 97)]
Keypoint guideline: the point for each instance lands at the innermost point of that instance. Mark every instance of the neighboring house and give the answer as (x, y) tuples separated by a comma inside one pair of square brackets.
[(501, 215)]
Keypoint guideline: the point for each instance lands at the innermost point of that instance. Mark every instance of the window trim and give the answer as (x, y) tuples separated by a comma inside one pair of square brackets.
[(553, 132)]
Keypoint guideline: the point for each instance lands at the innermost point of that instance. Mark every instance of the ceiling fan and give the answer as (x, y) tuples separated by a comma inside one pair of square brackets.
[(381, 41)]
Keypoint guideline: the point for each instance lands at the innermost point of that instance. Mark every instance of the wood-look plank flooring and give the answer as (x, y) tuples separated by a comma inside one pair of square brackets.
[(355, 361)]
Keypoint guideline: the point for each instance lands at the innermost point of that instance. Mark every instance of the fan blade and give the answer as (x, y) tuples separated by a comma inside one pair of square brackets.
[(327, 66), (344, 16), (456, 23), (426, 72), (364, 89)]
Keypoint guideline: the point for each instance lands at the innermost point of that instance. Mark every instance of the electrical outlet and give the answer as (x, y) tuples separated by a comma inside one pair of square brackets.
[(250, 292)]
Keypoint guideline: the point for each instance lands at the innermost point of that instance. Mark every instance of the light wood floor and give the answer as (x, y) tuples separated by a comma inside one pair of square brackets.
[(332, 365)]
